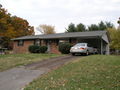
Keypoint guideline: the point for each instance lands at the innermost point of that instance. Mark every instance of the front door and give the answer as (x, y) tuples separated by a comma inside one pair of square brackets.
[(48, 45)]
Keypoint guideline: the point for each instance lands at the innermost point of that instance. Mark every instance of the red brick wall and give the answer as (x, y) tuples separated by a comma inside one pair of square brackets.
[(54, 48), (27, 43), (24, 48)]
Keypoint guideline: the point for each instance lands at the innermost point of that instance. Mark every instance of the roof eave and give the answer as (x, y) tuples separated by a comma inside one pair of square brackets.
[(56, 38)]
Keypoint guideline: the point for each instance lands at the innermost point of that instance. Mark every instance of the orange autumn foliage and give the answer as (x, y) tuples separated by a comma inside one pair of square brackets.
[(13, 26)]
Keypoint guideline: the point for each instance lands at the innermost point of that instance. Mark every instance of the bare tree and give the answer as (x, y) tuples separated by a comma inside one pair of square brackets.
[(46, 29)]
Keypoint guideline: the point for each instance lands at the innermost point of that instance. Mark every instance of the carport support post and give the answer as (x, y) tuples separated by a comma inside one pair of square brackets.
[(101, 46), (108, 49)]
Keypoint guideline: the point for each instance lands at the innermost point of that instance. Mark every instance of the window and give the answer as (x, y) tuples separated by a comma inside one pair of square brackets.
[(56, 41), (37, 42), (62, 41), (20, 43)]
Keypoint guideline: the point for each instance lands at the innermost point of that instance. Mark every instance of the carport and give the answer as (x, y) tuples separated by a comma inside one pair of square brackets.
[(97, 39), (96, 42)]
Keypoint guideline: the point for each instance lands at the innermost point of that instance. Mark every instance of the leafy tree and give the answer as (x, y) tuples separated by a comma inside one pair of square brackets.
[(46, 29), (109, 25), (100, 26), (21, 26), (93, 27), (81, 27), (12, 27), (115, 38), (71, 28)]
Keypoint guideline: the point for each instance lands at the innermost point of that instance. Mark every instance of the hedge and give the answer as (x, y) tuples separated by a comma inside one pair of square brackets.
[(37, 49), (43, 49), (64, 48)]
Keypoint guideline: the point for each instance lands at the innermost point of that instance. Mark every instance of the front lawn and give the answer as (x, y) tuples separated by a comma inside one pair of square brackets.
[(97, 72), (9, 61)]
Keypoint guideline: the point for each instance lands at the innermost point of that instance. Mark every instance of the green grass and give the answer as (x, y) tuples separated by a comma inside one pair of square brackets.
[(9, 61), (97, 72)]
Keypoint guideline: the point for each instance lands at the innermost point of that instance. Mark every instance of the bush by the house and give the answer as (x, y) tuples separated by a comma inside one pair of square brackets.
[(43, 49), (34, 49), (64, 48), (37, 49)]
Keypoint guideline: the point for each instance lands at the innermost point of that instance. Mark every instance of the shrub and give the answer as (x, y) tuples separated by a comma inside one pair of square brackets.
[(37, 49), (64, 48), (34, 49), (43, 49)]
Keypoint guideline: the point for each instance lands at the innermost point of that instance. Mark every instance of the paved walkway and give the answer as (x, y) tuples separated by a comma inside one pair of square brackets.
[(17, 78)]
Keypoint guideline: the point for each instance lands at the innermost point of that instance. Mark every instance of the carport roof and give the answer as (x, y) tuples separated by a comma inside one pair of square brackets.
[(64, 35)]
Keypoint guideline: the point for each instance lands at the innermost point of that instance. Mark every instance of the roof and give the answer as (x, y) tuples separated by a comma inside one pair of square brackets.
[(64, 35)]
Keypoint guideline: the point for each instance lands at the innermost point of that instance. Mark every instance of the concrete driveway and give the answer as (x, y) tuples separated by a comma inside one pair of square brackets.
[(17, 78)]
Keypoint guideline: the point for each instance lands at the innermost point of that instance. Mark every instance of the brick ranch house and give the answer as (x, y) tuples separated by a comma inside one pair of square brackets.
[(98, 39)]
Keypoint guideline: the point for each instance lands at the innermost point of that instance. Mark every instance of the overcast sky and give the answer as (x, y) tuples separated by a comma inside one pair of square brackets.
[(60, 13)]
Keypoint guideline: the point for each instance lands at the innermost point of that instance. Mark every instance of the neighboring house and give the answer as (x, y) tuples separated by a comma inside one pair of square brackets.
[(98, 39)]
